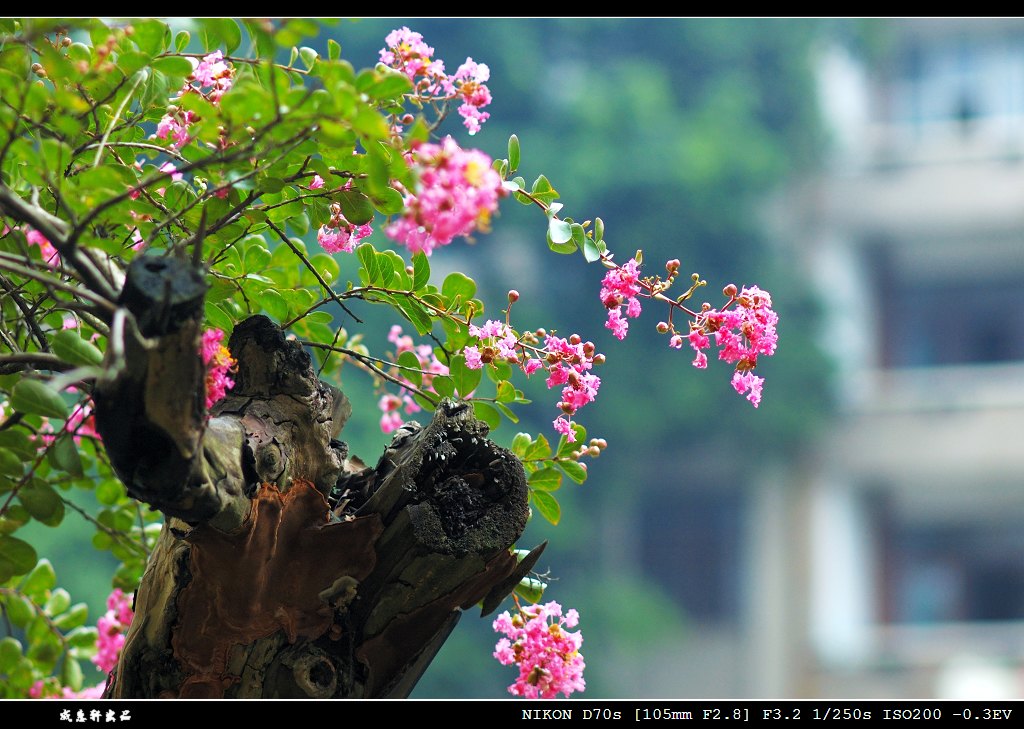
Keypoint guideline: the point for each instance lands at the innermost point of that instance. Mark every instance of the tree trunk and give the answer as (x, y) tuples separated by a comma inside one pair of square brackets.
[(286, 568)]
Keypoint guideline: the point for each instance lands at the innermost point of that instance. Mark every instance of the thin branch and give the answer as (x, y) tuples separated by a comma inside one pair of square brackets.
[(32, 360), (14, 264), (306, 262), (368, 362), (56, 231)]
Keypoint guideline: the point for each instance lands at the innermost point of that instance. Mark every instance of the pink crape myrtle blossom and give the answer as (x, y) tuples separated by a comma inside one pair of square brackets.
[(317, 182), (112, 626), (49, 254), (430, 367), (339, 235), (499, 342), (548, 655), (619, 288), (743, 333), (469, 84), (456, 195), (219, 363), (211, 77), (406, 52)]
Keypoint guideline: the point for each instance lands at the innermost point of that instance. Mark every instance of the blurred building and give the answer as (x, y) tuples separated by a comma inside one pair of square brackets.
[(896, 568)]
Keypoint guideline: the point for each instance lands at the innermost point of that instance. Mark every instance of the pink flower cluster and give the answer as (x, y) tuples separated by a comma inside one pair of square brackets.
[(391, 405), (568, 363), (457, 193), (469, 85), (339, 235), (619, 288), (112, 627), (547, 654), (498, 342), (405, 51), (743, 333), (214, 77), (219, 363)]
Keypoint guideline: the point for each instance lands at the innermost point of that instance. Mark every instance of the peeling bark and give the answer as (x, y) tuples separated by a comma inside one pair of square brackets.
[(286, 568)]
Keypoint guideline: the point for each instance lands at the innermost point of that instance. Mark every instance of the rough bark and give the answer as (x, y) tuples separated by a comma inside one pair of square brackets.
[(286, 568)]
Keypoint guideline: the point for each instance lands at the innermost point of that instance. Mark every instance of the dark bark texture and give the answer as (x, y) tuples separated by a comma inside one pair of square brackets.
[(286, 568)]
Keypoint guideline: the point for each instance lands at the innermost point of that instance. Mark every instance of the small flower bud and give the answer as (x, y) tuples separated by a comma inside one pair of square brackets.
[(541, 333), (513, 296), (65, 41), (588, 349), (729, 290), (38, 70), (662, 327), (594, 451), (672, 266), (408, 119), (566, 408), (599, 359), (575, 339), (410, 270)]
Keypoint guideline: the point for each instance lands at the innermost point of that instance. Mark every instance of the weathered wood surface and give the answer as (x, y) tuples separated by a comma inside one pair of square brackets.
[(287, 568)]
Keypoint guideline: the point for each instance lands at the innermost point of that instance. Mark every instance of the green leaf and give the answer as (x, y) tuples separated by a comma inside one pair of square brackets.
[(368, 257), (531, 589), (215, 31), (443, 386), (10, 652), (18, 442), (487, 413), (513, 153), (420, 270), (42, 502), (506, 391), (19, 607), (109, 492), (598, 229), (181, 40), (388, 200), (559, 230), (40, 580), (576, 471), (73, 618), (538, 450), (151, 36), (16, 557), (590, 251), (274, 304), (71, 674), (416, 314), (507, 412), (520, 443), (458, 285), (10, 463), (308, 56), (58, 602), (410, 360), (565, 448), (545, 479), (83, 637), (333, 49), (173, 66), (36, 398), (547, 505), (355, 206), (465, 379), (63, 455), (70, 347)]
